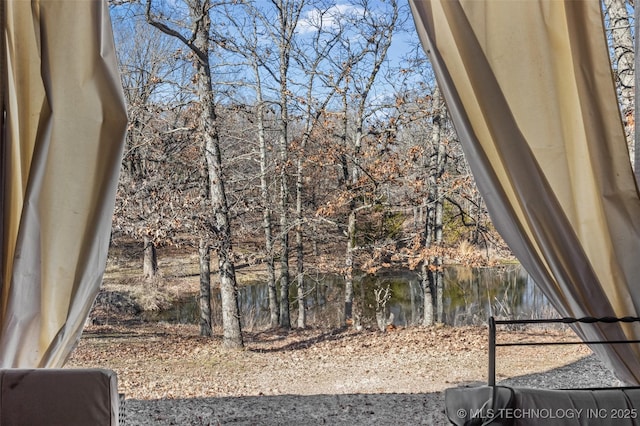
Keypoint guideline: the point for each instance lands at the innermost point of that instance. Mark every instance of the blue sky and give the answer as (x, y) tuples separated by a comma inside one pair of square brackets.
[(404, 40)]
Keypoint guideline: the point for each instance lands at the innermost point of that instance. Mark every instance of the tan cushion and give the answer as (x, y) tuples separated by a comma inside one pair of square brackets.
[(58, 397)]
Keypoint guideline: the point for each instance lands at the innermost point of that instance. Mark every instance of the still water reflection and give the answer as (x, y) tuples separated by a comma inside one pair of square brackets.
[(470, 296)]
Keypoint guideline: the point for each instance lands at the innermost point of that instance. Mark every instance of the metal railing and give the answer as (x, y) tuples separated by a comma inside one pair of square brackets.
[(491, 381)]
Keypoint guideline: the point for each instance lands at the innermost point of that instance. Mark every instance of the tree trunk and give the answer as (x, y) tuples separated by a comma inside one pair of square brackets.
[(285, 311), (302, 321), (438, 273), (232, 332), (285, 315), (636, 78), (437, 277), (314, 239), (349, 262), (428, 294), (352, 220), (205, 289), (274, 309), (302, 308), (150, 261), (433, 289), (412, 295), (199, 44), (623, 61)]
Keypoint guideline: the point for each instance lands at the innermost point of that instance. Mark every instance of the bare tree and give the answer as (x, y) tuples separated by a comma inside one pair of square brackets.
[(623, 56), (198, 43), (313, 55), (292, 114), (432, 273), (148, 68), (302, 90), (242, 36), (363, 61), (288, 13)]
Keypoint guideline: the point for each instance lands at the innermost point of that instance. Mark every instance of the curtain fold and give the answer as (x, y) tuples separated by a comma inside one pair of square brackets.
[(530, 89), (61, 151)]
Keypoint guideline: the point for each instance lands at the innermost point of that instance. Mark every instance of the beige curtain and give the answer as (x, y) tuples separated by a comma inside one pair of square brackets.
[(61, 149), (530, 89)]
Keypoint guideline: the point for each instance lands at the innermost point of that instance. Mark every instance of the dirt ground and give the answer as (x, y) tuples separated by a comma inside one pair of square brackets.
[(170, 375)]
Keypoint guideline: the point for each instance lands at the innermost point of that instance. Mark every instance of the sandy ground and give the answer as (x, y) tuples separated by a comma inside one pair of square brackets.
[(171, 376)]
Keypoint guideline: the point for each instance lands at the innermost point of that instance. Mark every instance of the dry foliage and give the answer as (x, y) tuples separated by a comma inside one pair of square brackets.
[(166, 361)]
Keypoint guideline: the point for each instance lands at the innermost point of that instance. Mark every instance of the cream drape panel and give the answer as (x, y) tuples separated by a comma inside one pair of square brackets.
[(530, 90), (61, 148)]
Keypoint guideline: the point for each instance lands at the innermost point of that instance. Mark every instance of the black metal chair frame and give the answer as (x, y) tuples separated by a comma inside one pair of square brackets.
[(491, 381)]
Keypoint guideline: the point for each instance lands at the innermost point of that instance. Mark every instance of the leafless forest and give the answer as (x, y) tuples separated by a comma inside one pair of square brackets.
[(301, 136)]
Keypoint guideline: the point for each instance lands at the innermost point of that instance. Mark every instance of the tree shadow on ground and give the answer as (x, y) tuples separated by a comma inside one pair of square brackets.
[(308, 338), (587, 372), (140, 330), (345, 409)]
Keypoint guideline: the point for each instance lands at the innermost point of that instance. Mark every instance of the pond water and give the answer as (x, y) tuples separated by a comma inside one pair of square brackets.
[(470, 296)]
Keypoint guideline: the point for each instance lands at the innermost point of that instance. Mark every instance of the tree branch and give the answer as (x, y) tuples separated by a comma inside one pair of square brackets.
[(202, 57)]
